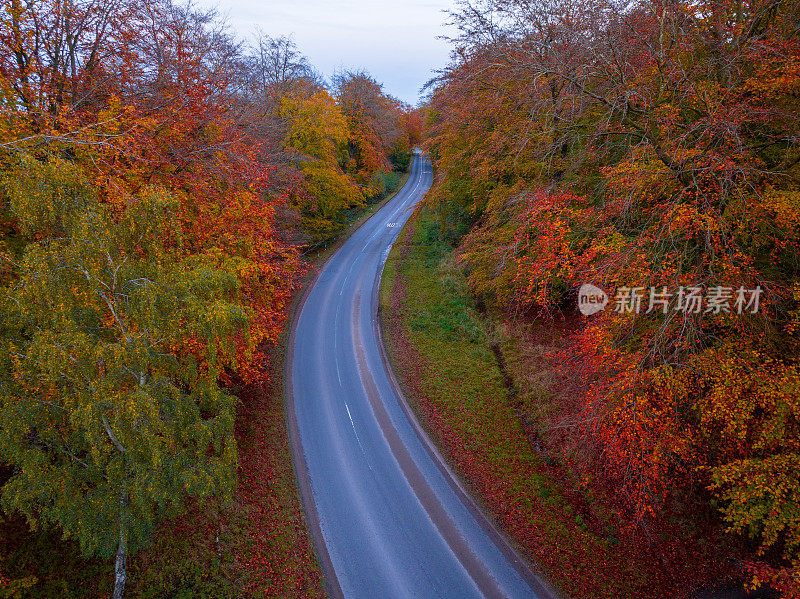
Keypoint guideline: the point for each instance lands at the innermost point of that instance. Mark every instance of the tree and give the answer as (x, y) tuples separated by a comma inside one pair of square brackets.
[(149, 165), (318, 135), (373, 119), (109, 421), (277, 67), (654, 145)]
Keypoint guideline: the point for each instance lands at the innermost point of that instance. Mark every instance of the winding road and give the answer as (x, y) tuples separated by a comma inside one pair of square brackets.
[(388, 517)]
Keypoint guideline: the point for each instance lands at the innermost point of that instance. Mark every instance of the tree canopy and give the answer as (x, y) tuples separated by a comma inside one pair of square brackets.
[(652, 147)]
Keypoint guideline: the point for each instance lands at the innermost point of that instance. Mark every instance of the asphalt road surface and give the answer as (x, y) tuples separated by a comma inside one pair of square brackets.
[(388, 517)]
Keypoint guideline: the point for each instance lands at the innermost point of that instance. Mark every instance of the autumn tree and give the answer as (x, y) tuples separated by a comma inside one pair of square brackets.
[(140, 261), (151, 167), (374, 121), (318, 134), (109, 421), (276, 66), (650, 145)]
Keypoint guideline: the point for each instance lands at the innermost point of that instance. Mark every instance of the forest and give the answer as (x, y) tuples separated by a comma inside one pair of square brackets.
[(161, 183), (652, 150), (165, 186)]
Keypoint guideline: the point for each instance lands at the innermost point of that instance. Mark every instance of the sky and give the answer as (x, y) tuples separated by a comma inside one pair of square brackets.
[(395, 41)]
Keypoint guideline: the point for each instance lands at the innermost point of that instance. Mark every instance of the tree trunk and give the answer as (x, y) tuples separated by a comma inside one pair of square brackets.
[(120, 567)]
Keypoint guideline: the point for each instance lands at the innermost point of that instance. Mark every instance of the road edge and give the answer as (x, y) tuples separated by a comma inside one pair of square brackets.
[(523, 567), (331, 581)]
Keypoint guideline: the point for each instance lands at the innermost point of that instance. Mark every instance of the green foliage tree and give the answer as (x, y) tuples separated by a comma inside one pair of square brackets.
[(108, 419)]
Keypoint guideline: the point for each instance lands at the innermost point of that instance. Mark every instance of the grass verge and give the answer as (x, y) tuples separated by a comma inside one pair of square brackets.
[(446, 355)]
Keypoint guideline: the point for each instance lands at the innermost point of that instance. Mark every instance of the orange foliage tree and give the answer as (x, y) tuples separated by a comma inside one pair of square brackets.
[(133, 101), (651, 148), (376, 130)]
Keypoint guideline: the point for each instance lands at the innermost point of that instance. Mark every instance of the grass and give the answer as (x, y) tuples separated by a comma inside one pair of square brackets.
[(441, 347)]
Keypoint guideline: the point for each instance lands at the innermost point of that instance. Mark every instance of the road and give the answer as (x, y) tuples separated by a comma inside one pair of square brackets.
[(388, 517)]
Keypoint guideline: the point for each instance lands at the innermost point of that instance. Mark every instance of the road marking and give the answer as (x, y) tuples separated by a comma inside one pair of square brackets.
[(358, 439)]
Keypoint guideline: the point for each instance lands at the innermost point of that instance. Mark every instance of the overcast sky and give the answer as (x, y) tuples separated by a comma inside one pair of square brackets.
[(395, 41)]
